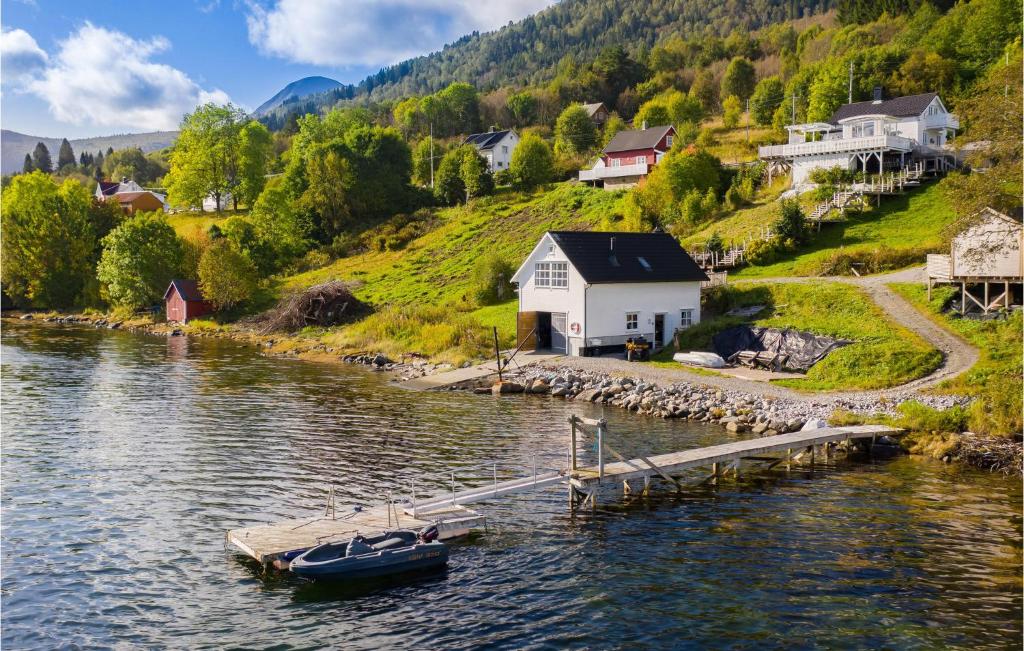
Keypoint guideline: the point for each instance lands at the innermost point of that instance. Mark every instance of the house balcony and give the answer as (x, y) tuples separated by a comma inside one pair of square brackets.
[(940, 121), (837, 146), (602, 171)]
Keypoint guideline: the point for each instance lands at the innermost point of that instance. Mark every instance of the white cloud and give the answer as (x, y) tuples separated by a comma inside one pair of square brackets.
[(106, 78), (372, 32), (20, 56)]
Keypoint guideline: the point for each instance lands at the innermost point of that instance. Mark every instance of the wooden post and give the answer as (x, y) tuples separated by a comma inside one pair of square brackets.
[(600, 451), (497, 353), (714, 473), (1006, 294), (963, 298), (572, 444)]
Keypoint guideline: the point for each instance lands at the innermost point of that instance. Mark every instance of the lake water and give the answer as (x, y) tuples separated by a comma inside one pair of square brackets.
[(127, 457)]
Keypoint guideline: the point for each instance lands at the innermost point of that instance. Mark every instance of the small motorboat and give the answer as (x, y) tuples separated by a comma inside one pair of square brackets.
[(388, 553)]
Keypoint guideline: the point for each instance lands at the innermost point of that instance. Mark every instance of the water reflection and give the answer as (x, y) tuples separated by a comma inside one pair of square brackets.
[(125, 458)]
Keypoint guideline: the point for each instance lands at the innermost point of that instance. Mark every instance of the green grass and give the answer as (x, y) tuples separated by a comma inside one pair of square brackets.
[(996, 380), (423, 291), (883, 354), (899, 232), (186, 223)]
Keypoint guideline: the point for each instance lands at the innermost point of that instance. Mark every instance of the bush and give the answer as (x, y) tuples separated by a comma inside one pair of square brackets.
[(765, 252), (492, 279), (532, 162), (832, 175), (917, 417), (792, 224), (227, 276), (876, 260)]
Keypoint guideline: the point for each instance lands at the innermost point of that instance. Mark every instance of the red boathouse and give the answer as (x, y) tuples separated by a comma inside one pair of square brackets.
[(184, 301)]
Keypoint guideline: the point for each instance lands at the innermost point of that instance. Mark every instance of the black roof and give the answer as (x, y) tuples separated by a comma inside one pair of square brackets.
[(627, 257), (637, 139), (486, 140), (898, 107)]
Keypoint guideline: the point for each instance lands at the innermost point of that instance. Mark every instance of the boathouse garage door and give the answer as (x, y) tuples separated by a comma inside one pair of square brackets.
[(559, 335)]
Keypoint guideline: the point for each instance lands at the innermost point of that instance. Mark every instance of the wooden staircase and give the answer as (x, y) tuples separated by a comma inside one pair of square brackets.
[(892, 183)]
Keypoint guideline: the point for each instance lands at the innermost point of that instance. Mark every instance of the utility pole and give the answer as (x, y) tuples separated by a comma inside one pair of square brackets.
[(748, 119), (849, 95), (431, 155)]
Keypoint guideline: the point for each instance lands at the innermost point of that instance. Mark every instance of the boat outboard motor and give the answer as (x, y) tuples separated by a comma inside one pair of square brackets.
[(429, 534)]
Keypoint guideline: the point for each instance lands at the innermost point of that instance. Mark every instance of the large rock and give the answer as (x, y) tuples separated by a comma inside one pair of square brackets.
[(539, 386), (736, 427), (759, 428), (381, 360), (588, 395), (560, 390), (501, 388)]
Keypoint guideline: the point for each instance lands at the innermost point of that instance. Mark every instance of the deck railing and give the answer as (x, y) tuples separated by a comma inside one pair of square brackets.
[(606, 172), (898, 143)]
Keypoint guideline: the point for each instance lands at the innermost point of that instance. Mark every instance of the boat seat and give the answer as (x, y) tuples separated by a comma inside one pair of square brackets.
[(388, 544)]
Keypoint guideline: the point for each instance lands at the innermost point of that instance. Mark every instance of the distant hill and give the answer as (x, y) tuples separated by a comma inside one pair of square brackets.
[(296, 90), (14, 145), (528, 51)]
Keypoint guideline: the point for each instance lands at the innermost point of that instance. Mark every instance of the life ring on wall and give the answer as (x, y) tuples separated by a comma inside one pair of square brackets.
[(575, 327)]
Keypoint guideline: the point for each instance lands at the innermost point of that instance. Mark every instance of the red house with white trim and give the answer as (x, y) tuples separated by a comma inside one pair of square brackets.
[(630, 156), (184, 301)]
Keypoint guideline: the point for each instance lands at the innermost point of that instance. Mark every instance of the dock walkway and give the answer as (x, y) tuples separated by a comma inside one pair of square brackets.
[(478, 372), (273, 543)]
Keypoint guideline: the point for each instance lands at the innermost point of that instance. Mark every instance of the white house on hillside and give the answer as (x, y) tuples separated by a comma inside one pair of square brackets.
[(585, 293), (871, 136), (495, 146)]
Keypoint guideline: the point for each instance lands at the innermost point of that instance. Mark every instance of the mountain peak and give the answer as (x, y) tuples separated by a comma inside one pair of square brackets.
[(299, 88)]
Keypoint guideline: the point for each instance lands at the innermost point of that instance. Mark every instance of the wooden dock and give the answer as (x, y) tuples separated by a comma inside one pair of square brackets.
[(270, 542)]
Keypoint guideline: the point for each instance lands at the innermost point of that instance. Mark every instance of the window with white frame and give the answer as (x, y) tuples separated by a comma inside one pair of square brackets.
[(551, 274), (863, 129), (616, 162), (685, 318), (632, 320), (668, 141), (641, 160), (504, 149)]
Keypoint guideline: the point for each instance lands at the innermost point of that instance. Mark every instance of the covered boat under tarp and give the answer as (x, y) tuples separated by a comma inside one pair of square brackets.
[(388, 553), (800, 350)]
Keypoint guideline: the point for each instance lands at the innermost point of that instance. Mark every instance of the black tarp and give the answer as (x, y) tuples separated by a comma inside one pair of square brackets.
[(804, 349)]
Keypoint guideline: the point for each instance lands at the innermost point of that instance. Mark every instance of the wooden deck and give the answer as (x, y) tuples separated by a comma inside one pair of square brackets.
[(266, 543)]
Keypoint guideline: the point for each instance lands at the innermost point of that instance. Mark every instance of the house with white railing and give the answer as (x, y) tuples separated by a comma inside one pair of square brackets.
[(874, 137), (630, 156)]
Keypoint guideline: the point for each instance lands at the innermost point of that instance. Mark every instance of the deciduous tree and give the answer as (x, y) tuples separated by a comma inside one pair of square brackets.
[(227, 277), (532, 163), (255, 151), (739, 79), (768, 95), (204, 159), (140, 257), (575, 133)]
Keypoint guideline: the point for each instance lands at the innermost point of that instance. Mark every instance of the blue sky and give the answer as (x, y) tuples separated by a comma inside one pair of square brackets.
[(79, 69)]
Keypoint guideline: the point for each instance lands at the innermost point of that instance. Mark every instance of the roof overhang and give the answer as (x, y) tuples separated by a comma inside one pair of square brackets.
[(811, 127)]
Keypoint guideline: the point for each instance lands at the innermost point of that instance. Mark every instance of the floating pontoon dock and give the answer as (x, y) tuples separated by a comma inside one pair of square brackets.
[(268, 543)]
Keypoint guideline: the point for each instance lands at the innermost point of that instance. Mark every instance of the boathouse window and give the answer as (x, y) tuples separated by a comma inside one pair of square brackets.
[(685, 318), (551, 274), (632, 319)]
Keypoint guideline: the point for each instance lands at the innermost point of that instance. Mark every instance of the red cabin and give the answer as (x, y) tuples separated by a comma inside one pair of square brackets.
[(184, 301)]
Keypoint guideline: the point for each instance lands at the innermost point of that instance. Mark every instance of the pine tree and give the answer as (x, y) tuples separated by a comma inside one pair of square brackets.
[(66, 156), (41, 158), (27, 166)]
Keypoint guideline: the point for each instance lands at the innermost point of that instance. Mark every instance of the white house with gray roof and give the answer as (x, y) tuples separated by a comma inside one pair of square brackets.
[(872, 136), (495, 146)]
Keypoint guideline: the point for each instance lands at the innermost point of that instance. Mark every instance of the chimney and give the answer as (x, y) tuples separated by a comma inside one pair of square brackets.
[(643, 126), (611, 243), (877, 95), (493, 129)]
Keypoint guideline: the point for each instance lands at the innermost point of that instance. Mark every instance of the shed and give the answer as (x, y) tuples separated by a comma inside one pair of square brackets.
[(586, 293), (989, 251), (184, 301), (133, 202)]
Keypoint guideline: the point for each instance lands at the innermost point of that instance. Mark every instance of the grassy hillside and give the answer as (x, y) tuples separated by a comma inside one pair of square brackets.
[(883, 354), (996, 378), (901, 230), (423, 291)]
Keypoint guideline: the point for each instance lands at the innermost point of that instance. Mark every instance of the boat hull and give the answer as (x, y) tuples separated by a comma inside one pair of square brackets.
[(390, 561)]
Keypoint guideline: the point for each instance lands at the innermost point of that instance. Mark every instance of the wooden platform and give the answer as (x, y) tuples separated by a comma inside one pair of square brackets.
[(268, 542), (668, 465), (478, 372)]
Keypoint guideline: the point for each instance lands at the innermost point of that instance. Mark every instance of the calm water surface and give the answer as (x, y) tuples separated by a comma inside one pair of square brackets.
[(126, 458)]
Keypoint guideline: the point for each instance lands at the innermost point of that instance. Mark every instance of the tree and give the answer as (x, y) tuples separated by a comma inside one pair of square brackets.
[(279, 225), (575, 133), (449, 188), (47, 240), (683, 108), (421, 155), (255, 150), (130, 163), (652, 114), (523, 107), (768, 95), (330, 177), (408, 117), (492, 276), (612, 126), (739, 79), (791, 224), (476, 177), (923, 72), (461, 108), (204, 159), (677, 187), (226, 276), (733, 110), (704, 91), (65, 157), (41, 159), (532, 162), (140, 257), (27, 166)]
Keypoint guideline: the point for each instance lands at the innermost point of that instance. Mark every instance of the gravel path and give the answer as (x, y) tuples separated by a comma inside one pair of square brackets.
[(958, 355)]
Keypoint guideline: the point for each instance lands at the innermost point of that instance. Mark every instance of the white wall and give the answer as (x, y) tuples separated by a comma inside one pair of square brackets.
[(568, 300), (501, 154), (804, 165), (989, 249), (608, 303)]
